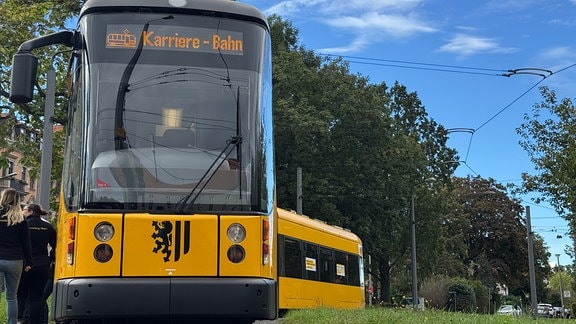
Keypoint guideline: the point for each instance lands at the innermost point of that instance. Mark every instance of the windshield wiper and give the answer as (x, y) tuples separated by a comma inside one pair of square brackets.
[(239, 148), (185, 204), (119, 131)]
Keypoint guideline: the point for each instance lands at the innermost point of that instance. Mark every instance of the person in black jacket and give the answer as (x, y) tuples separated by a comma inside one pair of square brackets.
[(43, 239), (15, 250)]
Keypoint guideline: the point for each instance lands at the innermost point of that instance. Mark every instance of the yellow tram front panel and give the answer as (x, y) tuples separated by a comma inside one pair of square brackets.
[(144, 245), (85, 246), (170, 245), (153, 245), (254, 247)]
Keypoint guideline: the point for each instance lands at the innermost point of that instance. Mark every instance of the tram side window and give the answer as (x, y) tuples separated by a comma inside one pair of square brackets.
[(74, 144), (311, 261), (326, 265), (342, 267), (292, 258), (353, 270)]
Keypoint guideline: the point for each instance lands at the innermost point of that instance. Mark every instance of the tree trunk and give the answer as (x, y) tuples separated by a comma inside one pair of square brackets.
[(384, 268)]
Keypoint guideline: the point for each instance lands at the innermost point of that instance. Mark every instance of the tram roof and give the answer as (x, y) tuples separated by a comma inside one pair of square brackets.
[(226, 7), (318, 225)]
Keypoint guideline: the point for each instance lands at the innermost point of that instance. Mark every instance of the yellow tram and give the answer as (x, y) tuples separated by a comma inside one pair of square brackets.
[(167, 208), (319, 265)]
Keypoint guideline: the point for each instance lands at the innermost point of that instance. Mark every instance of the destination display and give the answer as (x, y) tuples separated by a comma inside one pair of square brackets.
[(175, 38)]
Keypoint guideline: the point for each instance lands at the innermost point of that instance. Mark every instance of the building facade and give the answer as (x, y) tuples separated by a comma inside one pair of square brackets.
[(17, 175)]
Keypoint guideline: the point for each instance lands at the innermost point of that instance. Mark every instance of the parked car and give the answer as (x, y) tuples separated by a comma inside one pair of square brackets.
[(558, 312), (510, 310), (545, 310)]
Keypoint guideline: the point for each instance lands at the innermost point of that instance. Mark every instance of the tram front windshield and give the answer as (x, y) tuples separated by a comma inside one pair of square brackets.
[(173, 113)]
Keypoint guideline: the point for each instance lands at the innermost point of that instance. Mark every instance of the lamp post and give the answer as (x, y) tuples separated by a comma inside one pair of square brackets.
[(560, 281), (414, 276), (413, 234)]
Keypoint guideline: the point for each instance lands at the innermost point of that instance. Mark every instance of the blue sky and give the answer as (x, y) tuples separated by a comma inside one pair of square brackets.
[(453, 53)]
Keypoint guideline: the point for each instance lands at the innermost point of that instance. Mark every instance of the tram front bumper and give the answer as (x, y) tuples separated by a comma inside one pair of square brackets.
[(164, 298)]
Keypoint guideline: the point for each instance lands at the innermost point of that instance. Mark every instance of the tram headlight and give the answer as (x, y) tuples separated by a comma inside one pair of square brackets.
[(236, 253), (236, 233), (104, 232), (103, 253)]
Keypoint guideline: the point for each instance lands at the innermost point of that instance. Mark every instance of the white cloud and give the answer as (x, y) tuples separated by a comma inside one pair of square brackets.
[(337, 7), (567, 22), (557, 59), (463, 44), (356, 45), (394, 25), (348, 6), (292, 7), (366, 21), (374, 28), (558, 53), (466, 28), (499, 5)]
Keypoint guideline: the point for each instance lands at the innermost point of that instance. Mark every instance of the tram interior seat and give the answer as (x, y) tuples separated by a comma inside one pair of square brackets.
[(178, 137)]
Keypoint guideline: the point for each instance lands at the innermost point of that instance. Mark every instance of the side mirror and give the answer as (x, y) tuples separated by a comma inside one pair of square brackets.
[(23, 78)]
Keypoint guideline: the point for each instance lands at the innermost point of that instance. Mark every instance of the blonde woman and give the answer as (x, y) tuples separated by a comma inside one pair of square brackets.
[(15, 250)]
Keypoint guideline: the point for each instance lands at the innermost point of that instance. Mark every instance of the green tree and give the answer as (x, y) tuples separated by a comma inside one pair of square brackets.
[(485, 237), (549, 137), (22, 20), (364, 150), (554, 286)]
